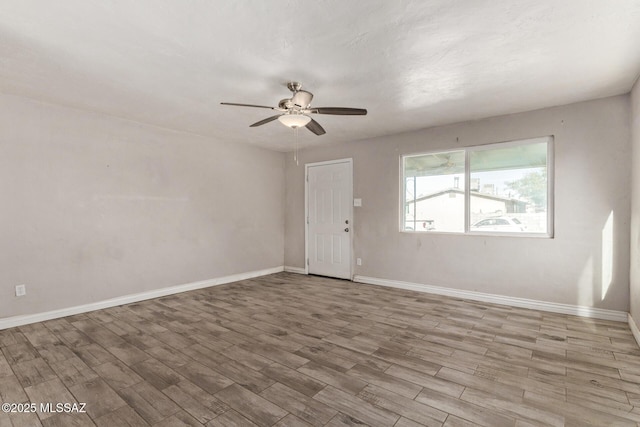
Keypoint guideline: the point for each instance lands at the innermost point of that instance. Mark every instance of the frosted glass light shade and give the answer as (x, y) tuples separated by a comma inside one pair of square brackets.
[(294, 120)]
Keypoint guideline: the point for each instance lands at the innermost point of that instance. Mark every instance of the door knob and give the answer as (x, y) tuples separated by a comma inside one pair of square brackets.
[(346, 229), (346, 221)]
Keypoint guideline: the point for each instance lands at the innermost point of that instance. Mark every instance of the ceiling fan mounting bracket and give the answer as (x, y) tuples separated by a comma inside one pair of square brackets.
[(294, 86)]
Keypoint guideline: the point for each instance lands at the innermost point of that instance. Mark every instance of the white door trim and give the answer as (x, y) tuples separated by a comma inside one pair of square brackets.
[(306, 211)]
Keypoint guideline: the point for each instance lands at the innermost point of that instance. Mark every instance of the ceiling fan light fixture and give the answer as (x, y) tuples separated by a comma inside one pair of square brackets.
[(294, 120)]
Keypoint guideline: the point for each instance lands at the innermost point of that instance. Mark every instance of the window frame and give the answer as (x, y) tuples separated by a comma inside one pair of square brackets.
[(548, 234)]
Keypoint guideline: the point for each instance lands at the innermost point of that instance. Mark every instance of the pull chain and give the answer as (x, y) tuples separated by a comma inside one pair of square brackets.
[(295, 150)]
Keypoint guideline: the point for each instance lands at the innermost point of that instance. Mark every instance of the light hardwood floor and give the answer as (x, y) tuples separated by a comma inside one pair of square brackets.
[(294, 350)]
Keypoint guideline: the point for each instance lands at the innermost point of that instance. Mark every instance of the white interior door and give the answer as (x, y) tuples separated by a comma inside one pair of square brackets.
[(329, 222)]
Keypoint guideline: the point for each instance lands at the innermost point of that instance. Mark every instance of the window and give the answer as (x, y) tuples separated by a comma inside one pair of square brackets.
[(495, 189), (434, 192)]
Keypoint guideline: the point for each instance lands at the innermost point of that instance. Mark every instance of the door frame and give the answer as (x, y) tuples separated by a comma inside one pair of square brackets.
[(349, 161)]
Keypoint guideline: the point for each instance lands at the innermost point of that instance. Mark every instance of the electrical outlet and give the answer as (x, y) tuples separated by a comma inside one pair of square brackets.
[(359, 261), (21, 290)]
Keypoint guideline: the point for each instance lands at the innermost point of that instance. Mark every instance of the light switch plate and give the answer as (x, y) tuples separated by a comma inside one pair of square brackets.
[(357, 202)]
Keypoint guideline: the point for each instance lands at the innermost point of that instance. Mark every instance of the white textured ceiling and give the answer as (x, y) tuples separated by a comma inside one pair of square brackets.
[(412, 64)]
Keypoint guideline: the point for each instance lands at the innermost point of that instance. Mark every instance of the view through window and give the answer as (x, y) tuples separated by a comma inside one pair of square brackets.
[(497, 188)]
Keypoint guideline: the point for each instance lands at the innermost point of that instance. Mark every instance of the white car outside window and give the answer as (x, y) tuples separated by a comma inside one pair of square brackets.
[(502, 223)]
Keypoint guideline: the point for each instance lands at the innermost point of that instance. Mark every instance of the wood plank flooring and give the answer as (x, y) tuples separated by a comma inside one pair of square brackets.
[(295, 350)]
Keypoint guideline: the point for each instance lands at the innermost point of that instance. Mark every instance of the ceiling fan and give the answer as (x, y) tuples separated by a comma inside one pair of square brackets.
[(295, 111)]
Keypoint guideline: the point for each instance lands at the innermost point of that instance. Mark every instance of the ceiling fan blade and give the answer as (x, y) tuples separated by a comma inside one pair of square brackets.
[(315, 127), (247, 105), (340, 111), (264, 121)]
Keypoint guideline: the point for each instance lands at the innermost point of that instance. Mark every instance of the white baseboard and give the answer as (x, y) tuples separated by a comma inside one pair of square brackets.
[(297, 270), (597, 313), (634, 328), (10, 322)]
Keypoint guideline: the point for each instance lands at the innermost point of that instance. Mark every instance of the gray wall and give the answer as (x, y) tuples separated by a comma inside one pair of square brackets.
[(592, 175), (635, 206), (94, 207)]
